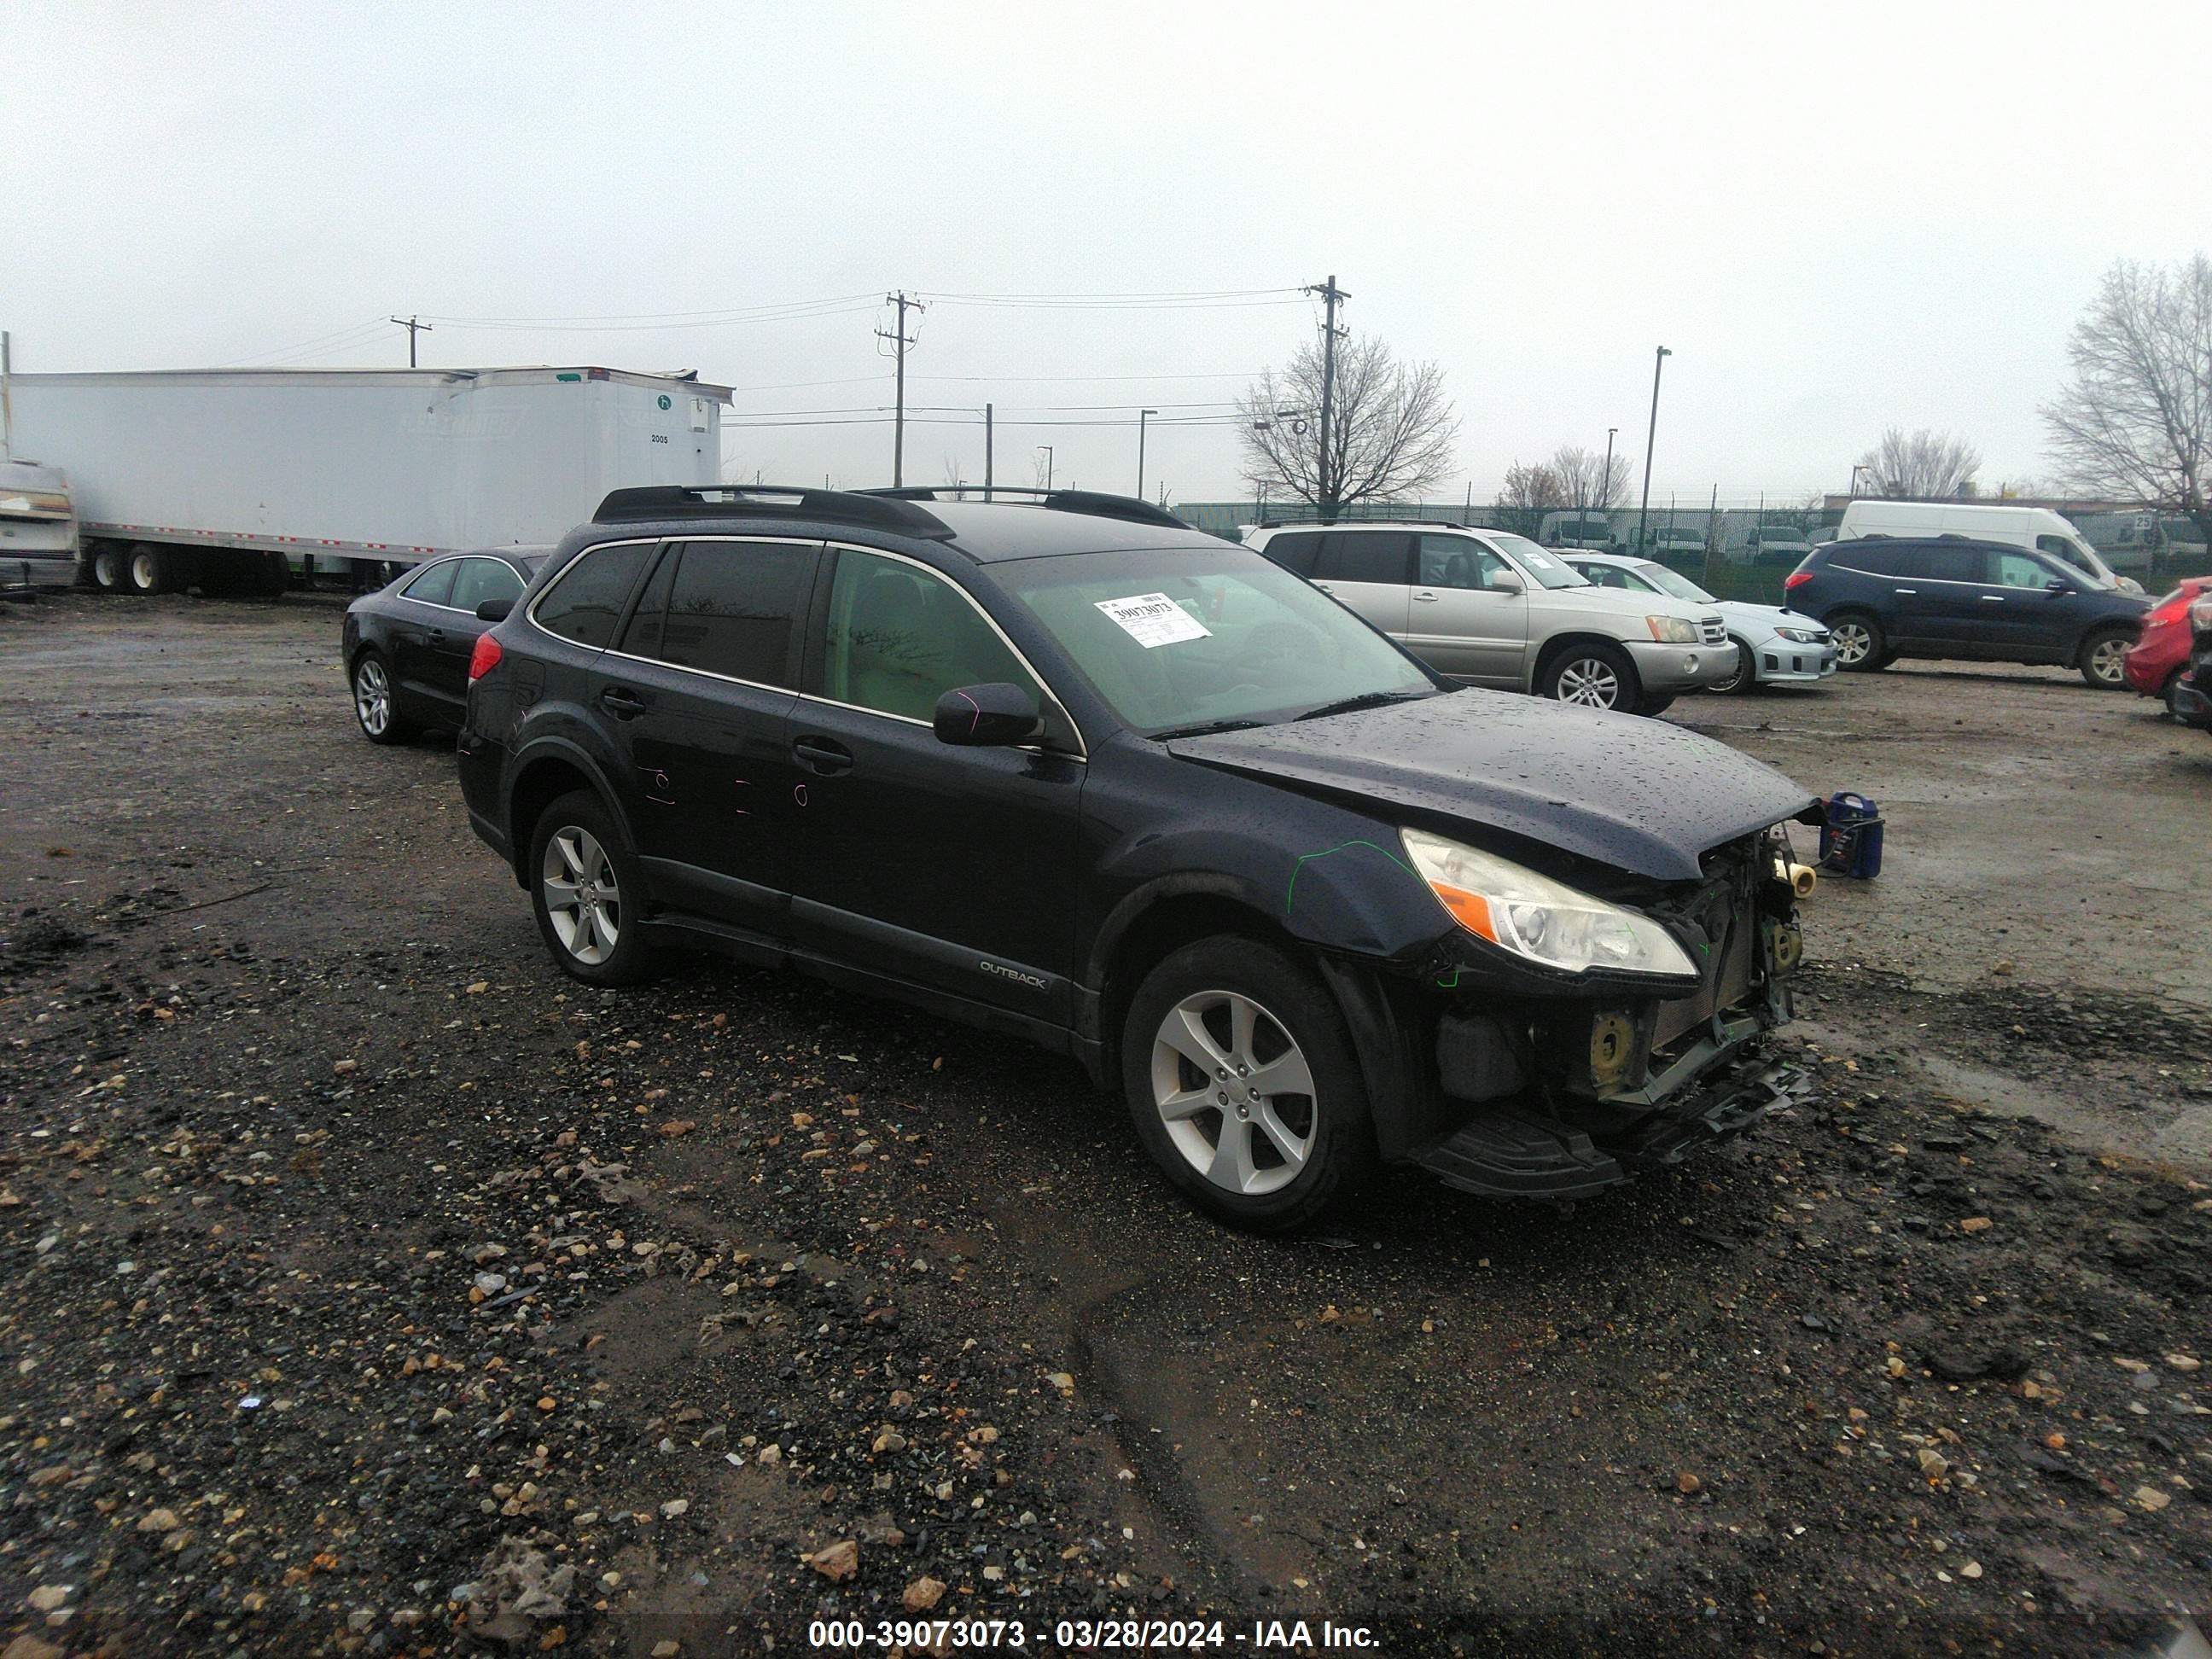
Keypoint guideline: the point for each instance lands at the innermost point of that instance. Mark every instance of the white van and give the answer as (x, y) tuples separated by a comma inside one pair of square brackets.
[(2037, 527)]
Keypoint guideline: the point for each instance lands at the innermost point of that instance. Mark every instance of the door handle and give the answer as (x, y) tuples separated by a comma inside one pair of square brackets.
[(1909, 591), (437, 637), (824, 758), (1992, 599), (622, 702), (1426, 597)]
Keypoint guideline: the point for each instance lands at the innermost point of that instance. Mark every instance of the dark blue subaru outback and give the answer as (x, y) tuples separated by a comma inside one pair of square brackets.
[(1063, 767)]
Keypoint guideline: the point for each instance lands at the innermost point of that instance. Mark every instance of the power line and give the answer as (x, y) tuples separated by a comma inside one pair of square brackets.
[(414, 325)]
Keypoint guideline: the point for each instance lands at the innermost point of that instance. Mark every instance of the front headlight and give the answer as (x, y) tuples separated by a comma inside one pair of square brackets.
[(1534, 916), (1672, 630), (1801, 635)]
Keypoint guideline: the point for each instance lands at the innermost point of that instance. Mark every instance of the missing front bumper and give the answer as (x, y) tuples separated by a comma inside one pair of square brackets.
[(1508, 1152)]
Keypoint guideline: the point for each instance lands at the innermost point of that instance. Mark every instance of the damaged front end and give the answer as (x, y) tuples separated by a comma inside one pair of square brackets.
[(1560, 1082)]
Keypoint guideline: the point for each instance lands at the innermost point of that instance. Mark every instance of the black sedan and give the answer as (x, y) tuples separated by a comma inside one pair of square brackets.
[(407, 645)]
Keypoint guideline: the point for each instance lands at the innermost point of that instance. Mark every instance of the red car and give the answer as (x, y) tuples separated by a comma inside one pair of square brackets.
[(2161, 653)]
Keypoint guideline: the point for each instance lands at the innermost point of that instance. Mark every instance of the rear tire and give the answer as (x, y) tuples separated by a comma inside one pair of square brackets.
[(1593, 676), (109, 568), (1229, 1017), (1860, 648), (1651, 706), (376, 700), (2103, 662), (149, 569), (588, 891)]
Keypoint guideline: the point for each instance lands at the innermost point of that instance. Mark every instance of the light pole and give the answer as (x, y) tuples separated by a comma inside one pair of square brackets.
[(1142, 415), (1650, 438), (1860, 467), (1605, 482), (1048, 465)]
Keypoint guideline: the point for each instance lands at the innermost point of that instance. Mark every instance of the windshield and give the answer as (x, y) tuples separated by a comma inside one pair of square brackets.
[(1177, 639), (1674, 582), (1780, 533), (1540, 565)]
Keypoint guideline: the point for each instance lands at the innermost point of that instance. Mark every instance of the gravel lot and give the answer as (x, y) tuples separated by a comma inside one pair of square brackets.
[(370, 1288)]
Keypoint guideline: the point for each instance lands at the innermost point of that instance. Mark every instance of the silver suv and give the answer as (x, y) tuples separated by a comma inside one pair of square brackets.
[(1494, 609)]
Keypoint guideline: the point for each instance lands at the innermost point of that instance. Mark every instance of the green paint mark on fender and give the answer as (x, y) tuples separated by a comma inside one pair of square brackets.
[(1449, 984), (1290, 891)]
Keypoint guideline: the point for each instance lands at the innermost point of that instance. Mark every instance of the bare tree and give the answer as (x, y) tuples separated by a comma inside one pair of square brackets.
[(952, 473), (1391, 429), (1923, 466), (1527, 493), (2135, 423), (1585, 481)]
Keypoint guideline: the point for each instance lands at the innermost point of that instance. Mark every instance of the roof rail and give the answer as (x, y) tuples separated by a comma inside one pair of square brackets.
[(1093, 502), (772, 502)]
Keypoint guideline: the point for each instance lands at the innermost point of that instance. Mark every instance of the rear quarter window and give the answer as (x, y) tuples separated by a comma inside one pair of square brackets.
[(586, 600)]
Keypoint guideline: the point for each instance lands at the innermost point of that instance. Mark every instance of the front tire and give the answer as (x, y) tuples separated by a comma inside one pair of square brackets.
[(588, 890), (1746, 678), (1241, 1076), (1860, 648), (1593, 676), (2104, 659)]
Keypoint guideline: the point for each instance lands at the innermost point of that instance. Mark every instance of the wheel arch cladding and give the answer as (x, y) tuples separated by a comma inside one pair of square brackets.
[(1560, 645), (539, 781)]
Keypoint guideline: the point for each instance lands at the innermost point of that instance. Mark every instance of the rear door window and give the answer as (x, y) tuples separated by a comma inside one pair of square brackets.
[(1367, 556), (1880, 558), (730, 608), (435, 586), (1294, 550), (586, 600), (1950, 562)]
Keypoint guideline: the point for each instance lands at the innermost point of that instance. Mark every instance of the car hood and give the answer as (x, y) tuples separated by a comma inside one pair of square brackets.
[(1768, 616), (1616, 601), (1619, 789)]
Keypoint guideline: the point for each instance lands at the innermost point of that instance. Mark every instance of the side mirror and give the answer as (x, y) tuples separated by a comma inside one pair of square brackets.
[(495, 610), (1507, 581), (2057, 587), (988, 716)]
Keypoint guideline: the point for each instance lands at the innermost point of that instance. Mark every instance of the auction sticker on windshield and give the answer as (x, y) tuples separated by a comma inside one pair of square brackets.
[(1154, 619)]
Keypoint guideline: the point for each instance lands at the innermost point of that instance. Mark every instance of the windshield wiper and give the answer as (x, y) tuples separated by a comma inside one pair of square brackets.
[(1207, 728), (1365, 700)]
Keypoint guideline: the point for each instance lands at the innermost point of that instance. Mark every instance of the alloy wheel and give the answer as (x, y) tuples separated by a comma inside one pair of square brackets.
[(1591, 682), (582, 896), (2108, 660), (1235, 1093), (1853, 643), (371, 697)]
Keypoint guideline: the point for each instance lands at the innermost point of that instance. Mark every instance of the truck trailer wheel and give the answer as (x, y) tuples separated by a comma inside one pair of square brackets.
[(276, 573), (109, 565), (150, 569)]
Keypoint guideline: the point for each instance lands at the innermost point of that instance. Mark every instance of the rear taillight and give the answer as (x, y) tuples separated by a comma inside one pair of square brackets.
[(1795, 580), (484, 658)]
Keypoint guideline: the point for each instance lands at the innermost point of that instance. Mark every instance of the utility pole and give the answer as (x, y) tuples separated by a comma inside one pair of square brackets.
[(413, 328), (986, 452), (7, 403), (1605, 484), (1651, 437), (1048, 465), (1326, 488), (1141, 416), (898, 336), (1712, 534)]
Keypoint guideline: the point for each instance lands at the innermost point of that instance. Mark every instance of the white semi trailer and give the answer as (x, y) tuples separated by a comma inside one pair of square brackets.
[(220, 478)]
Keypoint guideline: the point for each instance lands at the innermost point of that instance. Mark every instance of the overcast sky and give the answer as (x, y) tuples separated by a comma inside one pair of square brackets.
[(1838, 218)]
